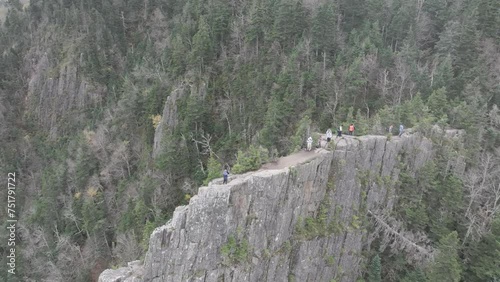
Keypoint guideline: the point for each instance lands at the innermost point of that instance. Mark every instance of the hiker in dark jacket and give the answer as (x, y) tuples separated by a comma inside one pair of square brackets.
[(226, 175)]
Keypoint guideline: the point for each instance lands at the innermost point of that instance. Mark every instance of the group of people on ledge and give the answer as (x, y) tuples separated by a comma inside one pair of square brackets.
[(329, 134)]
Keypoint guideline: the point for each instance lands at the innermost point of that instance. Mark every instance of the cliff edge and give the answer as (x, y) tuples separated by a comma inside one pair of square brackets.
[(302, 222)]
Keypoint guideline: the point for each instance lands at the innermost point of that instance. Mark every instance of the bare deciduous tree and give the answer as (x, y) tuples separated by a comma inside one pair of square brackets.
[(415, 245), (127, 249), (402, 79), (383, 82), (482, 185)]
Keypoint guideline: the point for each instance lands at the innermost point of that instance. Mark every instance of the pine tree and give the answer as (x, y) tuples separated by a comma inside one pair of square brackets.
[(484, 256), (439, 14), (374, 275), (272, 124), (177, 55), (283, 28), (213, 169), (448, 40), (414, 276), (323, 31), (437, 102), (291, 21), (354, 12), (489, 18), (467, 52), (362, 124), (202, 44), (446, 266), (443, 76), (219, 19), (255, 30)]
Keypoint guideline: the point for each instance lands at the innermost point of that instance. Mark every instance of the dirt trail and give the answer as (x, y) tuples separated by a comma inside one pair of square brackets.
[(303, 155), (292, 159)]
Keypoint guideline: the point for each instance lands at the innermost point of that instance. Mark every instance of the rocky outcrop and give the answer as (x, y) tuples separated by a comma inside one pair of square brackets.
[(56, 93), (305, 222), (170, 116)]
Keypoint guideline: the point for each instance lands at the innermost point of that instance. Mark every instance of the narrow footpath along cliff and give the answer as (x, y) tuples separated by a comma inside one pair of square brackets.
[(304, 222)]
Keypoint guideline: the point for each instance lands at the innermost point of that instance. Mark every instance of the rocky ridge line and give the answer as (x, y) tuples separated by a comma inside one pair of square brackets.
[(305, 222)]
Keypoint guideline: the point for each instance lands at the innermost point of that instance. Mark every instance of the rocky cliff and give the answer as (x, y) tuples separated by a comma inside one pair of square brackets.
[(305, 222)]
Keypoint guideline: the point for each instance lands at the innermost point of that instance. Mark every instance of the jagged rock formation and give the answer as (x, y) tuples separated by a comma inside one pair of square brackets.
[(306, 222), (54, 92)]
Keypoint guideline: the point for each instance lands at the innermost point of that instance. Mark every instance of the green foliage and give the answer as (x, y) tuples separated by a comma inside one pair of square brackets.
[(149, 227), (213, 170), (257, 72), (94, 211), (302, 133), (319, 226), (235, 251), (361, 124), (355, 222), (437, 102), (252, 159), (330, 260), (219, 20), (485, 256), (171, 157), (290, 22), (446, 266), (374, 275), (414, 276), (322, 31), (201, 51)]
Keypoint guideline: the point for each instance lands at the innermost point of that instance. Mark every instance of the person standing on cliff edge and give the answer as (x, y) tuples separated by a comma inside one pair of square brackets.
[(225, 174), (329, 135), (351, 129), (401, 130), (309, 143)]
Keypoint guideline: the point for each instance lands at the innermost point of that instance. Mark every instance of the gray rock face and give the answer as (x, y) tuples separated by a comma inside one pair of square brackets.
[(168, 120), (301, 223), (170, 117), (56, 92)]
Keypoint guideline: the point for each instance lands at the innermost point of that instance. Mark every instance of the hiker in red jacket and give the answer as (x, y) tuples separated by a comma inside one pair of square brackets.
[(351, 129)]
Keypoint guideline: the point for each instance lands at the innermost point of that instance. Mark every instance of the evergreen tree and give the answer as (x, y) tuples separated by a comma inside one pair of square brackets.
[(257, 26), (448, 40), (202, 44), (439, 14), (443, 76), (414, 276), (466, 54), (177, 55), (489, 18), (353, 12), (374, 275), (213, 169), (437, 102), (323, 31), (219, 19), (272, 124), (290, 22), (446, 266), (485, 256)]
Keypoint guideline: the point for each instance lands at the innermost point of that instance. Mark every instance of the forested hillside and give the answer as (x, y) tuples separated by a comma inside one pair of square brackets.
[(113, 112)]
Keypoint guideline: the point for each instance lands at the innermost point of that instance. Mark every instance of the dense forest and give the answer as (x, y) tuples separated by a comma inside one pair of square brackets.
[(101, 163)]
